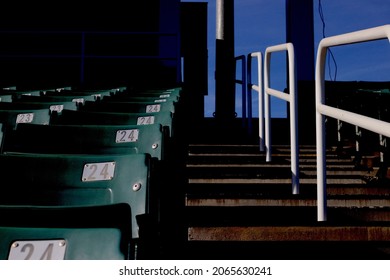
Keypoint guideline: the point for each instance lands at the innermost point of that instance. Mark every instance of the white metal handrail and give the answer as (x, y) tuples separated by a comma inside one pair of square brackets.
[(259, 89), (323, 110), (292, 99)]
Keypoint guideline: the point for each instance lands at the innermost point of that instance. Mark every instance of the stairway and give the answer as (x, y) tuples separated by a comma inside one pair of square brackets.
[(238, 206)]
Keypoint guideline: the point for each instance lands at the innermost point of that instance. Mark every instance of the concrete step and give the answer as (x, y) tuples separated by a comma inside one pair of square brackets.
[(235, 199), (342, 201), (285, 250), (283, 215), (288, 232), (368, 233), (268, 171)]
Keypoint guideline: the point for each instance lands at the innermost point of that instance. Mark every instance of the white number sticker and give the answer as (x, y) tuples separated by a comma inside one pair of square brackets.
[(24, 118), (153, 108), (145, 120), (160, 100), (165, 95), (124, 136), (78, 100), (101, 171), (37, 250), (56, 108), (97, 96)]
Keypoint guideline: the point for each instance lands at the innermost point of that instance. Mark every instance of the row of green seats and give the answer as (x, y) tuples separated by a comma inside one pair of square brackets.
[(52, 157), (89, 139)]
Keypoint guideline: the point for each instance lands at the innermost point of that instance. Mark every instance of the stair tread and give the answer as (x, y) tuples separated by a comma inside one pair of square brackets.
[(292, 233), (233, 194)]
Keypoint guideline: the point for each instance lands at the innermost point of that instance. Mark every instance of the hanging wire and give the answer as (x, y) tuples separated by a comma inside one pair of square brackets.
[(331, 56)]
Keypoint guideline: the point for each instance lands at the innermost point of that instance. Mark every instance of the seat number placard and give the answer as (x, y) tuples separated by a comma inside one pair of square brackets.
[(101, 171), (153, 108), (125, 136), (37, 250), (145, 120), (56, 108), (25, 118)]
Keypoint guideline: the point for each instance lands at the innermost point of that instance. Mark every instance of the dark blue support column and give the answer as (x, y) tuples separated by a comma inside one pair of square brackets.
[(300, 32), (225, 62)]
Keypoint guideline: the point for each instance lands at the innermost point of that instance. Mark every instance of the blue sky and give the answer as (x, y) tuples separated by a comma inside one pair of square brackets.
[(261, 23)]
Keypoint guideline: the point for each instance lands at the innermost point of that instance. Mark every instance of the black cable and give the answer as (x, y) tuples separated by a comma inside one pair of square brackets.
[(321, 13)]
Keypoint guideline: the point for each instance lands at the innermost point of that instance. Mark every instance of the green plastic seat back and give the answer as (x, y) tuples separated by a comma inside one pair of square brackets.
[(11, 118), (5, 98), (96, 94), (52, 106), (77, 180), (111, 118), (59, 98), (1, 137), (128, 107), (69, 233), (142, 98), (88, 139), (157, 92)]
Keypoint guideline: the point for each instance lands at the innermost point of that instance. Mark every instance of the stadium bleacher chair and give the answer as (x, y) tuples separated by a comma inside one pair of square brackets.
[(52, 106), (1, 136), (65, 233), (59, 98), (89, 139), (111, 89), (96, 94), (128, 107), (10, 118), (81, 180), (111, 118), (157, 91), (4, 97), (141, 98)]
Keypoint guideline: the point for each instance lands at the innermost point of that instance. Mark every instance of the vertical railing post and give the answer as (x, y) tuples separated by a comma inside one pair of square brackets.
[(292, 98), (245, 100), (248, 85), (293, 119), (320, 137), (259, 89), (267, 108)]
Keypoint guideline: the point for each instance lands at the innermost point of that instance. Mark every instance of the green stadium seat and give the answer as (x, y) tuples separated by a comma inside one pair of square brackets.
[(128, 107), (59, 98), (111, 118), (66, 233), (171, 91), (80, 180), (89, 139), (1, 136), (141, 98), (52, 106), (17, 93), (13, 93), (6, 88), (96, 94), (5, 97), (115, 89), (10, 118)]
